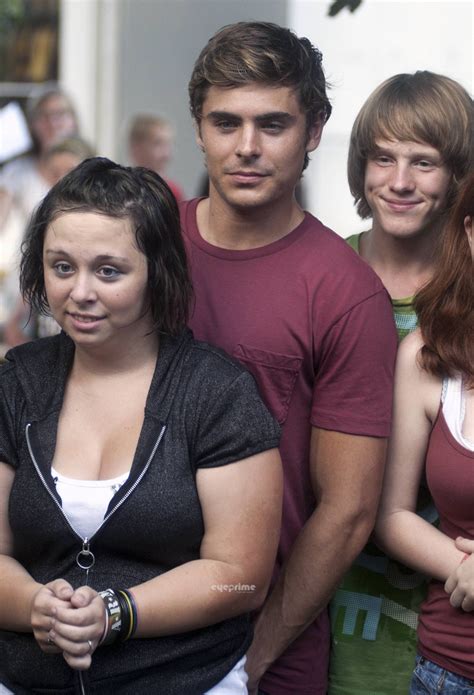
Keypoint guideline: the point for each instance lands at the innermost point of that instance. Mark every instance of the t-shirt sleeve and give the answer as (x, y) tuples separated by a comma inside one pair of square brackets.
[(236, 426), (354, 376), (8, 445)]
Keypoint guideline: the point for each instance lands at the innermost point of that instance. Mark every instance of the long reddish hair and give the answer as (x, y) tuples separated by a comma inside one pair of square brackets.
[(445, 306)]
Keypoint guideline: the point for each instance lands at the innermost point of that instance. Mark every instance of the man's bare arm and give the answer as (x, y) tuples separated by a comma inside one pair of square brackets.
[(346, 473)]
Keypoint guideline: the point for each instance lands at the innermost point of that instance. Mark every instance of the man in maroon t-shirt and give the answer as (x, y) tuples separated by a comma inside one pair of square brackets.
[(311, 321)]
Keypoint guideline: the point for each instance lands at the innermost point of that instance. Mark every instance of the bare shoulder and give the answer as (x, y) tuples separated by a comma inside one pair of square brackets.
[(411, 345), (408, 358), (419, 384)]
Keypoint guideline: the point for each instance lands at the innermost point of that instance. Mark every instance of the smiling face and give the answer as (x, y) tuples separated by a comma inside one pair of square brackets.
[(406, 187), (255, 138), (96, 279)]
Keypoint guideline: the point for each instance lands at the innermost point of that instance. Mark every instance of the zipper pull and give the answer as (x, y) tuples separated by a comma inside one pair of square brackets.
[(85, 558)]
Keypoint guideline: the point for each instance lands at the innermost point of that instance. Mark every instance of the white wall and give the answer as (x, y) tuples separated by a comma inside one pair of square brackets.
[(88, 67), (382, 38), (78, 59)]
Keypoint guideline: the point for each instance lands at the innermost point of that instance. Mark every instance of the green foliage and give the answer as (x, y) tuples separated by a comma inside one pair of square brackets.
[(11, 13), (339, 5)]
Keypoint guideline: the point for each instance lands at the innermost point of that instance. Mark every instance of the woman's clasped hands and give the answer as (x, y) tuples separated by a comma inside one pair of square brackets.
[(68, 621)]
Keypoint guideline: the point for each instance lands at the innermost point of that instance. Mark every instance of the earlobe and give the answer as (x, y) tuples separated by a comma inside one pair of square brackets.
[(314, 136)]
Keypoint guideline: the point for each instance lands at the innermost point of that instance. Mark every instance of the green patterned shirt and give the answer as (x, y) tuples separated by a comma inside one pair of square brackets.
[(403, 311)]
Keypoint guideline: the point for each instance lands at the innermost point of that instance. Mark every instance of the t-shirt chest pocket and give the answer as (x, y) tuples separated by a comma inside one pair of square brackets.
[(275, 375)]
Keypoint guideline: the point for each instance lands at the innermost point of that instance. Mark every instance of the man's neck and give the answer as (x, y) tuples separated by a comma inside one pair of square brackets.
[(245, 228), (403, 264)]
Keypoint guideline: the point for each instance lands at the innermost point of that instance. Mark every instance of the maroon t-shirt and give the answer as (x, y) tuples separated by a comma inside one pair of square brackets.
[(446, 634), (314, 325)]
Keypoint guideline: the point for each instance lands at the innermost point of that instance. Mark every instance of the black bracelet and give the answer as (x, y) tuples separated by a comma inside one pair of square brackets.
[(132, 612), (126, 611), (121, 615), (114, 621)]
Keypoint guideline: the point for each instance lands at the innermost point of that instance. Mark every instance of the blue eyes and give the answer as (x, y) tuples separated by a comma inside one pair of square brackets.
[(105, 272), (62, 268), (108, 272), (384, 160), (271, 127)]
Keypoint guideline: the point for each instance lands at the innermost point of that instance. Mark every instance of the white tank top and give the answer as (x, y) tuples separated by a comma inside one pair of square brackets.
[(85, 501), (454, 409)]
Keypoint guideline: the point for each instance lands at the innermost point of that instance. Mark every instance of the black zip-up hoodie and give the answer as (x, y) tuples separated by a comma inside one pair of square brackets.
[(202, 410)]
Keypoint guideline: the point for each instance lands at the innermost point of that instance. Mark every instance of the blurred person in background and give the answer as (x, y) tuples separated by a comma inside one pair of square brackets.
[(411, 145), (64, 156), (23, 181), (150, 145), (23, 324)]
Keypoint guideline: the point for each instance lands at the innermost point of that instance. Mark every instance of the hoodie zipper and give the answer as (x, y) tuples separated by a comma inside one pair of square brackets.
[(85, 551), (85, 558)]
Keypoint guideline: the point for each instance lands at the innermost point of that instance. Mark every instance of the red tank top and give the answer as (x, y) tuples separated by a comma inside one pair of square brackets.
[(446, 634)]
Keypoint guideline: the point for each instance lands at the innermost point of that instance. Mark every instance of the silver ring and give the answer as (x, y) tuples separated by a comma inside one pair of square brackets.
[(90, 645)]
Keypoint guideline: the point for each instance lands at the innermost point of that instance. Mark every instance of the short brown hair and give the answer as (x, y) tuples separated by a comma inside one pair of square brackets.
[(445, 305), (261, 52), (423, 107)]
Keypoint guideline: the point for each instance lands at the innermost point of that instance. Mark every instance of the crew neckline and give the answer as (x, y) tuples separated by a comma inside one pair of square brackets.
[(192, 231)]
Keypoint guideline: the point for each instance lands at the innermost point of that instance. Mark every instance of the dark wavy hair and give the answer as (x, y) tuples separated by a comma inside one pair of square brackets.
[(266, 53), (99, 185), (445, 306)]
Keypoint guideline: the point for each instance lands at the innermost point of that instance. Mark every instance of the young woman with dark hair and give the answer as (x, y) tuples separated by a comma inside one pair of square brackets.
[(140, 484), (433, 431)]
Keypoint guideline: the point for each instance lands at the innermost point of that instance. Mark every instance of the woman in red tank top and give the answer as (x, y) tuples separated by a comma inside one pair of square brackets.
[(433, 435)]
